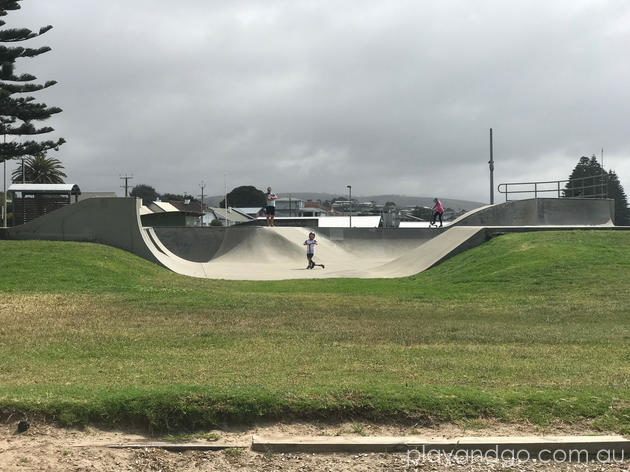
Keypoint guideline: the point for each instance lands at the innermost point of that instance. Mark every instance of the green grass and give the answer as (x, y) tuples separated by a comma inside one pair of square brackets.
[(528, 327)]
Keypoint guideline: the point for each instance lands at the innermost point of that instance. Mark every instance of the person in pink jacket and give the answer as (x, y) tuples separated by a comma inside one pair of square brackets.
[(438, 211)]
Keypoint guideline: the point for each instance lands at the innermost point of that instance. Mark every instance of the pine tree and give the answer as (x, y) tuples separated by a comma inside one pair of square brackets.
[(589, 179), (616, 192), (17, 113)]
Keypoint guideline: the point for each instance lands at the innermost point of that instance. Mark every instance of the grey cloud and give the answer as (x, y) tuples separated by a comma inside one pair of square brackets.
[(393, 97)]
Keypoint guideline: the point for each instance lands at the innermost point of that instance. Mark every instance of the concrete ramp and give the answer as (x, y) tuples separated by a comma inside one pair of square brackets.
[(433, 252), (542, 211), (261, 253)]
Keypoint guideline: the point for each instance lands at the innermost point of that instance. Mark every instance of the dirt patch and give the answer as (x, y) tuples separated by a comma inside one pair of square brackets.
[(46, 447)]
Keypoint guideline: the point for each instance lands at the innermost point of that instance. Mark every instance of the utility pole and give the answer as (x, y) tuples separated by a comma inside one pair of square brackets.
[(4, 203), (350, 199), (227, 221), (126, 178), (604, 189), (491, 164), (202, 185)]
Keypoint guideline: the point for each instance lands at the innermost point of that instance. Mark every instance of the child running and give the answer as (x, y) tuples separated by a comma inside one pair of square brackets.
[(310, 250)]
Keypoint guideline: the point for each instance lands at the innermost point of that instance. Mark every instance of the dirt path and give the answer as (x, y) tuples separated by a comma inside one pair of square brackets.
[(47, 448)]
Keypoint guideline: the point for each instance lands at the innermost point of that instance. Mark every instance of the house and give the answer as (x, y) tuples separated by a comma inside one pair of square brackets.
[(287, 206), (315, 209), (171, 214)]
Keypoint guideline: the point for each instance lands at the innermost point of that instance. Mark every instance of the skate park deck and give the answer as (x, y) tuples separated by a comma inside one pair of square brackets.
[(277, 253)]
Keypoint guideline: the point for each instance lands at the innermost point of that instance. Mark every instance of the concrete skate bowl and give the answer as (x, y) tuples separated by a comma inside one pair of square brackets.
[(542, 212), (247, 253), (260, 253)]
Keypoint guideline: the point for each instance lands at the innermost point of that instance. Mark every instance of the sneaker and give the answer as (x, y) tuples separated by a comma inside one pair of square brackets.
[(323, 266)]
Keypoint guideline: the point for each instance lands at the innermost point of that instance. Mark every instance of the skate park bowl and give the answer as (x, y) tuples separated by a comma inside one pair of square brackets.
[(277, 253)]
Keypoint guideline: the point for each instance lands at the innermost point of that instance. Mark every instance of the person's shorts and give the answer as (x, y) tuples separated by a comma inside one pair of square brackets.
[(270, 210), (309, 255)]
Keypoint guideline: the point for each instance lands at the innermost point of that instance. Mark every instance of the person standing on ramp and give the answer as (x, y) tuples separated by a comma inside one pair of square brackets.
[(438, 211), (310, 244), (270, 209)]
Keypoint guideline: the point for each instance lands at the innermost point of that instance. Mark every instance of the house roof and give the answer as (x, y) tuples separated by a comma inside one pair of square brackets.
[(170, 207), (248, 210), (230, 215), (145, 211), (165, 206), (45, 188)]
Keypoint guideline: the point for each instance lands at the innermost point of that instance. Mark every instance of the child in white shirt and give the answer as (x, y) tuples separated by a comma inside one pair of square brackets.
[(310, 250)]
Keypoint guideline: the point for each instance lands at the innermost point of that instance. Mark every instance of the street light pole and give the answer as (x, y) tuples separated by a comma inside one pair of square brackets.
[(203, 186), (491, 164), (350, 198), (227, 221), (4, 203)]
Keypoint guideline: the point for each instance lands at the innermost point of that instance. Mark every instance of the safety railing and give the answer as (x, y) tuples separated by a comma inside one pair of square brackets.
[(581, 187)]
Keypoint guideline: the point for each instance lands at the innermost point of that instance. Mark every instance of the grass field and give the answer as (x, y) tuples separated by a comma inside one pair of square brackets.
[(528, 327)]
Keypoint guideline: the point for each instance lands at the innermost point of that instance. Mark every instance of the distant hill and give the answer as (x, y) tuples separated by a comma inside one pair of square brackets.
[(400, 200)]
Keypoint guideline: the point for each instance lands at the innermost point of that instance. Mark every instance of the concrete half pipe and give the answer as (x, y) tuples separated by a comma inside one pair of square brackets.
[(261, 253)]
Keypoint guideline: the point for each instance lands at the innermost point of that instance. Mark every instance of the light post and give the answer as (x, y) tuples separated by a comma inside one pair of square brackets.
[(350, 200), (4, 203), (491, 165), (202, 185)]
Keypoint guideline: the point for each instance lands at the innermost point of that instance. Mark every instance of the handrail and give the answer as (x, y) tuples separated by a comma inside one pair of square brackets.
[(598, 189)]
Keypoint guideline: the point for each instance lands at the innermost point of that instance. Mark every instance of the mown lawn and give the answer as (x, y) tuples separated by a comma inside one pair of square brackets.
[(528, 327)]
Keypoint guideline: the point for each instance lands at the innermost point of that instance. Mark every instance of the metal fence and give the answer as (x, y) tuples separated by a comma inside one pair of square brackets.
[(581, 187)]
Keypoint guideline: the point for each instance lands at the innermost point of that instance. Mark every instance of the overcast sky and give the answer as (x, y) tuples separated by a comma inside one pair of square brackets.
[(312, 95)]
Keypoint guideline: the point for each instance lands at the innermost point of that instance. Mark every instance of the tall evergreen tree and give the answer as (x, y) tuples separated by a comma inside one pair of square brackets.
[(17, 113), (616, 192), (590, 179)]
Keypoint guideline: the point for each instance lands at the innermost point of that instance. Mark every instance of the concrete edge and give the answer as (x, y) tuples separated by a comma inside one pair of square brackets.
[(172, 446), (480, 445)]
